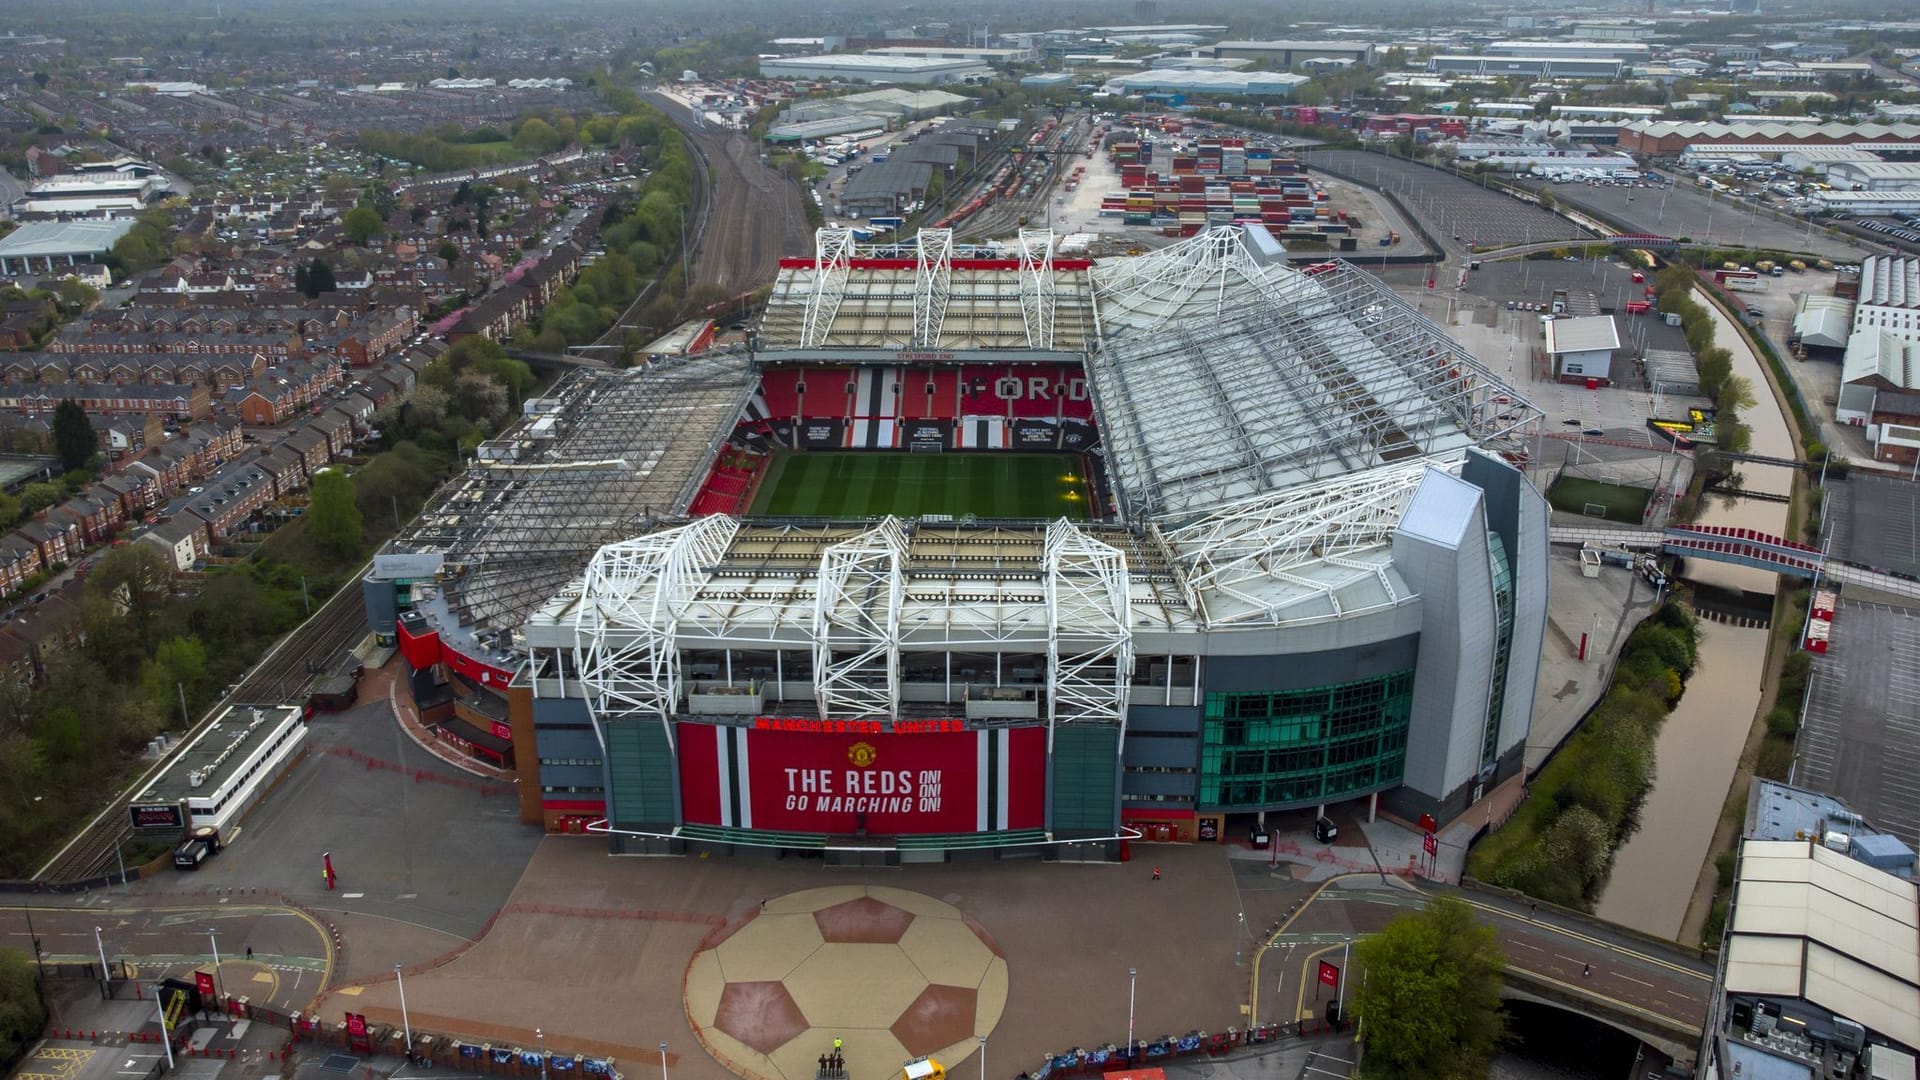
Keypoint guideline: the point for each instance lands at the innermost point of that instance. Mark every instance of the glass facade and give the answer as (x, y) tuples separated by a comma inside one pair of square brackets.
[(1288, 747), (1502, 574)]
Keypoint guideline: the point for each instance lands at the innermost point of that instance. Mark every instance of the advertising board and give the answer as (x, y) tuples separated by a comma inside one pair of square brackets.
[(156, 816), (866, 777)]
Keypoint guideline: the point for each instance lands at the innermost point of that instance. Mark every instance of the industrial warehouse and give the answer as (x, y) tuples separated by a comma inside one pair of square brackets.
[(972, 554)]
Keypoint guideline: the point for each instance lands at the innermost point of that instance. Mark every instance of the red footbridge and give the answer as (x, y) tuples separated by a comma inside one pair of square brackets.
[(1741, 547)]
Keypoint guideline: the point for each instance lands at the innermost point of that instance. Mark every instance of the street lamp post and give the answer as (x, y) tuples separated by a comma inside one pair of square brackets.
[(542, 1036), (211, 939), (663, 1061), (105, 978), (406, 1026), (1133, 976), (983, 1057), (160, 1012)]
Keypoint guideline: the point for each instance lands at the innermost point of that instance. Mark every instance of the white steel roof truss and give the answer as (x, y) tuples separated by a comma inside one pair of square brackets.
[(932, 285), (856, 624), (1260, 542), (1037, 286), (1089, 629), (632, 599), (832, 255)]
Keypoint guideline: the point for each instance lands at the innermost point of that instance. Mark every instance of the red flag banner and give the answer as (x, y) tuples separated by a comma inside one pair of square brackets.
[(1432, 845), (1329, 974)]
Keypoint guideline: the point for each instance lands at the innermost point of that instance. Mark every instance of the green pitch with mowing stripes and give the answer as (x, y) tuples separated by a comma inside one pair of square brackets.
[(873, 484)]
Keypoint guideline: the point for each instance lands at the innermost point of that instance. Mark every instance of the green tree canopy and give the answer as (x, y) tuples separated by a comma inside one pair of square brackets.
[(362, 223), (21, 1016), (73, 438), (332, 514), (1429, 999)]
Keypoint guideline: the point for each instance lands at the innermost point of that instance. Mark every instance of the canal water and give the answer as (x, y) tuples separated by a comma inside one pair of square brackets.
[(1699, 747)]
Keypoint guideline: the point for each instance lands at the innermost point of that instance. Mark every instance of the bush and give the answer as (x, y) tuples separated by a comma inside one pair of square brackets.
[(1724, 865), (1558, 846), (1774, 760)]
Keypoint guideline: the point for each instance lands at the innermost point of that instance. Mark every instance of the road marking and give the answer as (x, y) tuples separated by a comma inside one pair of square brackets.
[(407, 896), (1569, 959), (1631, 979), (1679, 995), (1527, 945), (351, 895)]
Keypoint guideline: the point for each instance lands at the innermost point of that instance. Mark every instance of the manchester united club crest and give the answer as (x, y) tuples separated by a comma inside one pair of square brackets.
[(862, 754)]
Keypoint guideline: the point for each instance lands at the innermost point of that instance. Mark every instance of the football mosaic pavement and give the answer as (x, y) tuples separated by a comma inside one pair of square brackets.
[(893, 974)]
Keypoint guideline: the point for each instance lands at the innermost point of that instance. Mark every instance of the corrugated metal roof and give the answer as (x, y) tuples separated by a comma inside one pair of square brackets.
[(57, 238)]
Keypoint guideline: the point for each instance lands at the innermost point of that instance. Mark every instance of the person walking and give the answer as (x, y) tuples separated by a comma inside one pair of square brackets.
[(1586, 969), (1533, 909), (1156, 873)]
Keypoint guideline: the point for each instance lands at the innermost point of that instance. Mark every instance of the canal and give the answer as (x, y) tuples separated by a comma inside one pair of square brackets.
[(1699, 747)]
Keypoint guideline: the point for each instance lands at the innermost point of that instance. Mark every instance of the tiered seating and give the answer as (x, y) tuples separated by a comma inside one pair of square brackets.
[(1025, 391), (730, 483), (876, 407), (931, 395)]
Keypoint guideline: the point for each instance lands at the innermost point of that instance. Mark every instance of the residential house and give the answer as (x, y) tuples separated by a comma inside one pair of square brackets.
[(183, 539)]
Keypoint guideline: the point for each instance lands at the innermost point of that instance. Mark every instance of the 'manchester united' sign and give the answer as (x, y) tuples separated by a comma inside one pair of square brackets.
[(936, 777)]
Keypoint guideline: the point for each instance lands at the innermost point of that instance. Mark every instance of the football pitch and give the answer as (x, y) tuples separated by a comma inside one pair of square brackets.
[(986, 485)]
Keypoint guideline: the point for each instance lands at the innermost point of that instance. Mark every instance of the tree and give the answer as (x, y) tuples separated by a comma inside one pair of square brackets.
[(37, 497), (318, 279), (362, 223), (332, 515), (77, 295), (1429, 1000), (448, 251), (21, 1014), (73, 438), (40, 79)]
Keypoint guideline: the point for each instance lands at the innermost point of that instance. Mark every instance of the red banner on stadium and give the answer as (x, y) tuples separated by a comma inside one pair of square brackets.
[(883, 782)]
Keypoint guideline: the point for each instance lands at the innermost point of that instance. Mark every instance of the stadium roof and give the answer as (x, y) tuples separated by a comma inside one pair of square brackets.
[(1222, 379), (920, 295), (40, 239), (600, 459)]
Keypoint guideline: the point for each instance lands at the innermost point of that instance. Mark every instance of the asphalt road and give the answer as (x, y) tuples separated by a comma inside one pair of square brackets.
[(1549, 944), (288, 968), (417, 845)]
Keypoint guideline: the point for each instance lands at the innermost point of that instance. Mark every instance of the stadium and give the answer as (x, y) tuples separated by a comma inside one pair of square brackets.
[(991, 554)]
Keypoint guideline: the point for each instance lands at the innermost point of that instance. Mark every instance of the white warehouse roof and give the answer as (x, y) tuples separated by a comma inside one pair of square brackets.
[(1590, 334), (58, 238), (1813, 924)]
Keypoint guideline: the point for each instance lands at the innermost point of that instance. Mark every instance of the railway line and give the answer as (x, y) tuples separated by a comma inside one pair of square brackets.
[(751, 215), (1016, 194), (283, 676)]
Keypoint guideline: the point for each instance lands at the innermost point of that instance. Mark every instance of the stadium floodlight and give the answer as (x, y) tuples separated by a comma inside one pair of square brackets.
[(856, 624)]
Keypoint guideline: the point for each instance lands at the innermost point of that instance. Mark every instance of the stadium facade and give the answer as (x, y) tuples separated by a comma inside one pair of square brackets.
[(1299, 567)]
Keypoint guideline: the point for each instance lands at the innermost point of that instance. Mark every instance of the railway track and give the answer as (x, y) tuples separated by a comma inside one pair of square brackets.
[(282, 677), (751, 215), (1003, 217), (309, 652)]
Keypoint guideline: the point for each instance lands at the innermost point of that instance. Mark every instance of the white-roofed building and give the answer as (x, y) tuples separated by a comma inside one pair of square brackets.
[(1820, 967), (1889, 296), (1880, 391), (43, 246), (920, 70), (1582, 349), (1224, 83), (1874, 175), (1823, 322)]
